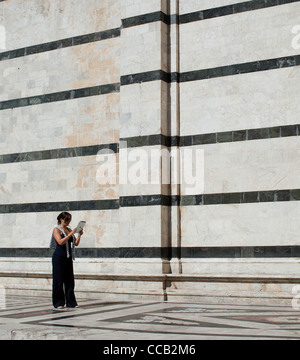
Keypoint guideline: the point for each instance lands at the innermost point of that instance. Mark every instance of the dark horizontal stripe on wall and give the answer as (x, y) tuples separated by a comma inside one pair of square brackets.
[(146, 200), (212, 199), (60, 44), (232, 9), (146, 77), (235, 252), (239, 69), (241, 197), (156, 200), (141, 20), (91, 205), (92, 253), (60, 96), (240, 135), (149, 140), (155, 140), (202, 14), (145, 19), (206, 74), (56, 153), (212, 138), (155, 75)]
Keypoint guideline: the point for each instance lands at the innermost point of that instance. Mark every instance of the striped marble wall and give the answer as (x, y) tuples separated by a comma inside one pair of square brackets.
[(132, 78)]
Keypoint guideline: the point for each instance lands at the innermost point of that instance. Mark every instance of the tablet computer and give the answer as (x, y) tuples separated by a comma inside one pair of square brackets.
[(80, 226)]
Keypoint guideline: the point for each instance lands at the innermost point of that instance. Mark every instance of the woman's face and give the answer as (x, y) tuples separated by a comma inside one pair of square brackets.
[(66, 221)]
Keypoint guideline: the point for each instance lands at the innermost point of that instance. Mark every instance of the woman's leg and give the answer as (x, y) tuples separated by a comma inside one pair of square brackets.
[(58, 269), (70, 285)]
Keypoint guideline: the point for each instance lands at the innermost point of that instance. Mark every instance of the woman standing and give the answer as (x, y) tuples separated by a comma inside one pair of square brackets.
[(63, 239)]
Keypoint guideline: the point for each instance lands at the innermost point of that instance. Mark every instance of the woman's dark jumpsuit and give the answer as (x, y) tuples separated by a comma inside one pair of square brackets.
[(63, 277)]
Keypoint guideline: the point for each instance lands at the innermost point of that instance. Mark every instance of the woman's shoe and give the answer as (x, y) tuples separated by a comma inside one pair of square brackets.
[(59, 308)]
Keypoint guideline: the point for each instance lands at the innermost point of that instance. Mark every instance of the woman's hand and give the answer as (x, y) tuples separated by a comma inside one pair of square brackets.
[(77, 241), (73, 231)]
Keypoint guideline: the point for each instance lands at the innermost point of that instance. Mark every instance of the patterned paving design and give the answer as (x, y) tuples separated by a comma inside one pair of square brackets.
[(34, 318)]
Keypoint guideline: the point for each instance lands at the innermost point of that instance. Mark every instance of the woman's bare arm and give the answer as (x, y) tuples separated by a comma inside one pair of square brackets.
[(77, 240)]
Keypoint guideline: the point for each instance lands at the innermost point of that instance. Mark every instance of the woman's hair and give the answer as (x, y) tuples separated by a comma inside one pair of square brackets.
[(64, 216)]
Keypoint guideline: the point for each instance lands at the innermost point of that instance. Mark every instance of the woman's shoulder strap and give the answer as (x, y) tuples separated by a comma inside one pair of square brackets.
[(61, 229)]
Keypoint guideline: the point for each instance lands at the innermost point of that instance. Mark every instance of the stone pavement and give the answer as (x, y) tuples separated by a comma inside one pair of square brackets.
[(33, 318)]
